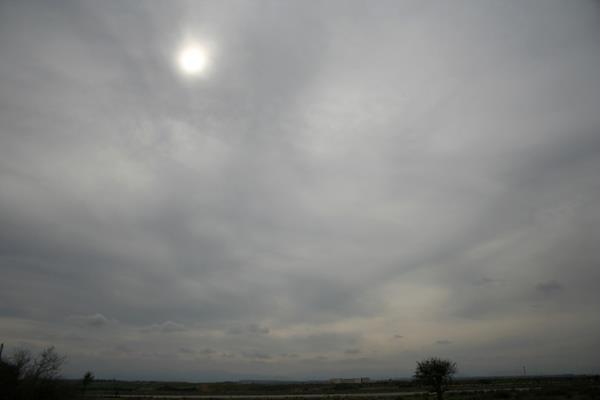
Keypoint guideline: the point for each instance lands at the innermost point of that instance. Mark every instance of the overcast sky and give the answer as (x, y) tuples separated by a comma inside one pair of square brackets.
[(347, 188)]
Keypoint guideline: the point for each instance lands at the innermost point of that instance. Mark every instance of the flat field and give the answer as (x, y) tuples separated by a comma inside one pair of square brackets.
[(530, 388)]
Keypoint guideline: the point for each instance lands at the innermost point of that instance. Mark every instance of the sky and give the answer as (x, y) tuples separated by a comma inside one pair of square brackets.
[(344, 188)]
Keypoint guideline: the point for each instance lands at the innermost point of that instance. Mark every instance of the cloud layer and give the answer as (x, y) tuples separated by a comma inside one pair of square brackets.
[(354, 186)]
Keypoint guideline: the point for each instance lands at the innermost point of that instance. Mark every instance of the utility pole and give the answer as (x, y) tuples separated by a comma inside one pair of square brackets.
[(524, 371), (1, 348)]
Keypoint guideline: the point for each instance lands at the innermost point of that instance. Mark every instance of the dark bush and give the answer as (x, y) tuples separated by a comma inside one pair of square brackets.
[(25, 377)]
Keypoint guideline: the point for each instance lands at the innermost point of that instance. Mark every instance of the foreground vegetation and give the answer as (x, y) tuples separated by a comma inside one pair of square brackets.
[(26, 376)]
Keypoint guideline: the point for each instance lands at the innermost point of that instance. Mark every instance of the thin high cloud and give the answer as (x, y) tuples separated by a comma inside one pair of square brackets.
[(346, 172)]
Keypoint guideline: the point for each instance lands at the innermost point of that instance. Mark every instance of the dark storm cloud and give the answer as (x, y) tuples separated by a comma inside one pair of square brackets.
[(342, 170)]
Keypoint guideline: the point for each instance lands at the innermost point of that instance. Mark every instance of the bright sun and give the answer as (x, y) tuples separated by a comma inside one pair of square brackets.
[(192, 59)]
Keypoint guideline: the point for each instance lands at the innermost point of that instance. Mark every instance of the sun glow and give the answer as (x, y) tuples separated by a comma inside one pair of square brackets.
[(192, 59)]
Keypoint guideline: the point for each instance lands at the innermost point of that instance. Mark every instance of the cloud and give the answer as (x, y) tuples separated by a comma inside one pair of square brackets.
[(443, 342), (289, 355), (257, 355), (93, 320), (124, 349), (549, 288), (251, 329), (186, 350), (165, 327), (208, 352), (343, 171)]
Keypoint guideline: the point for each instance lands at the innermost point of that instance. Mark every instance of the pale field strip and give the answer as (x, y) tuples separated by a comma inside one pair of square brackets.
[(299, 396)]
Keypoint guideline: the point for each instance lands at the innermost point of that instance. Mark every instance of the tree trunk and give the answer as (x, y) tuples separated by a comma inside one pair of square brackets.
[(440, 394)]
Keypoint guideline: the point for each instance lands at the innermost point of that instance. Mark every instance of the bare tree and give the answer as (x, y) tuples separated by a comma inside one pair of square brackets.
[(435, 373), (34, 377), (21, 359), (47, 365)]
